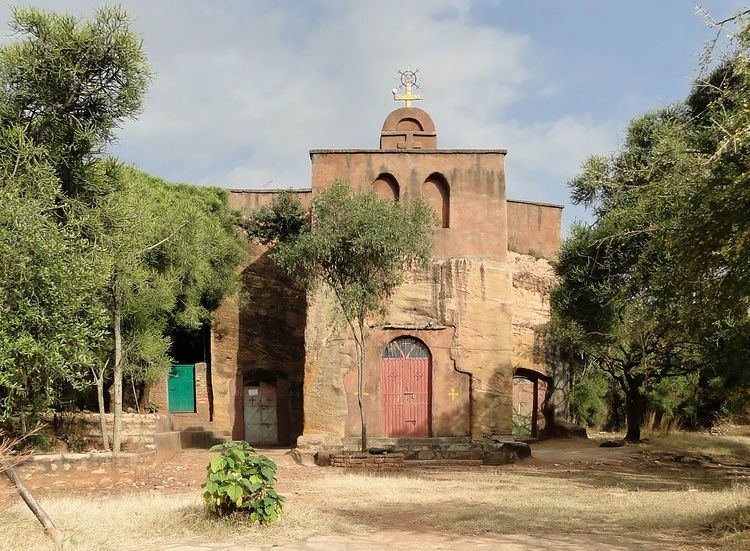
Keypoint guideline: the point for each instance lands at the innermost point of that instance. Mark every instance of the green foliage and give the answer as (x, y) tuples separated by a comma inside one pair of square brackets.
[(241, 481), (656, 292), (174, 249), (50, 320), (588, 400), (360, 245), (86, 244), (282, 220), (71, 83)]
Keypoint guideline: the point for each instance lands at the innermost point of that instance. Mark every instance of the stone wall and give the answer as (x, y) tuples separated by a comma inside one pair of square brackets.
[(85, 429), (534, 228), (392, 462), (460, 308), (259, 337), (533, 279)]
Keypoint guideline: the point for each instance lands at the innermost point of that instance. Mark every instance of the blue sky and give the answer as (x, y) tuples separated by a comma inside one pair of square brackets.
[(244, 89)]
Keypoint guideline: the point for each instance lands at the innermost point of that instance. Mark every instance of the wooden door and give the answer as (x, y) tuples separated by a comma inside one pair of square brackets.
[(261, 422), (405, 388)]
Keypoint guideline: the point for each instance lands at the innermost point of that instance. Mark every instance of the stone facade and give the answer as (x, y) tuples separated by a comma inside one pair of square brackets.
[(475, 308)]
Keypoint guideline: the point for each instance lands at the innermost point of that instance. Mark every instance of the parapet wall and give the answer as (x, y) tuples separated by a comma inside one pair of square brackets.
[(534, 228)]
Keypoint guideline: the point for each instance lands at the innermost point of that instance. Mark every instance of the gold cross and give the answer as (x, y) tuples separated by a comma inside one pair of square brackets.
[(453, 394), (408, 79)]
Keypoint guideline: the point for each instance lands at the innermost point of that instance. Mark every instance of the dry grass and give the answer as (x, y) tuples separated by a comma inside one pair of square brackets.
[(722, 448), (500, 501), (509, 502), (142, 521), (731, 528)]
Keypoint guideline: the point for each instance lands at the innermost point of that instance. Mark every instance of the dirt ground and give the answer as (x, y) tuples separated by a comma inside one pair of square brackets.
[(571, 494)]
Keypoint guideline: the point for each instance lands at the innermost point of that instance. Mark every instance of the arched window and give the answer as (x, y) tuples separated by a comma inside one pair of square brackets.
[(386, 186), (436, 192), (406, 348)]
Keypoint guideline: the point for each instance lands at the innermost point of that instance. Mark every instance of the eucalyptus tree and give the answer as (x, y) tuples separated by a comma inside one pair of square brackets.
[(358, 245)]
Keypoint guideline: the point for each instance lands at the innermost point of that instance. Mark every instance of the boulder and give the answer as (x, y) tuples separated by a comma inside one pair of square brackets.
[(565, 429)]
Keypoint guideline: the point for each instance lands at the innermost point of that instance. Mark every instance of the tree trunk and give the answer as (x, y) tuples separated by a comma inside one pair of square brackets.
[(117, 372), (634, 413), (44, 520), (361, 383), (102, 412)]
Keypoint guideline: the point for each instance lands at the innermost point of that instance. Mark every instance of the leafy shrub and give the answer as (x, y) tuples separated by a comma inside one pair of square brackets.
[(241, 481), (588, 400)]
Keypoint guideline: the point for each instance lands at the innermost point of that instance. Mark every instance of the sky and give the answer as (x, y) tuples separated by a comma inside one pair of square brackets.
[(244, 89)]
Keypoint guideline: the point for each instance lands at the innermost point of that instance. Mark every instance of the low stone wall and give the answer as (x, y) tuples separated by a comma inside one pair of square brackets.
[(71, 470), (83, 430), (391, 462)]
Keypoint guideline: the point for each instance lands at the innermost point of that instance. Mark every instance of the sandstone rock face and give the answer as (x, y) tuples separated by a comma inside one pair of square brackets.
[(460, 308), (532, 280), (260, 337)]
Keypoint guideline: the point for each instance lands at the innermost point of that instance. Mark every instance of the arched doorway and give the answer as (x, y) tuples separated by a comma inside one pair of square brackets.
[(406, 388)]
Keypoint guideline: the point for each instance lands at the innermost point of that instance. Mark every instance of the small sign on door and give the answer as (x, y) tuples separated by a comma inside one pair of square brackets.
[(252, 391)]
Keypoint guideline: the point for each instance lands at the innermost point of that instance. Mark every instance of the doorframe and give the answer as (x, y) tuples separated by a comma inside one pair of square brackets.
[(534, 377), (430, 393)]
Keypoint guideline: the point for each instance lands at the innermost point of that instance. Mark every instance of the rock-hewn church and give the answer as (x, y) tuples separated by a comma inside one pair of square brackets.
[(456, 357)]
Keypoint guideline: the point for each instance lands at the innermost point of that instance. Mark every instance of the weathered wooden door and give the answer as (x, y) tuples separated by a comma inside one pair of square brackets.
[(261, 424), (181, 388), (405, 388)]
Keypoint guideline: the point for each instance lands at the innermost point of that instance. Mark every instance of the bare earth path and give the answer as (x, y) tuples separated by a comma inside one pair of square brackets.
[(402, 540), (571, 495)]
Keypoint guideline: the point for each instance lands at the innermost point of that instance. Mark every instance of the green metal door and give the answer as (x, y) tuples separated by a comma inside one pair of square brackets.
[(182, 388)]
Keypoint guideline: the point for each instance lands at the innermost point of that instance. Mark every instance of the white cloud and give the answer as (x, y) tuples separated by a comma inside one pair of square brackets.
[(244, 89)]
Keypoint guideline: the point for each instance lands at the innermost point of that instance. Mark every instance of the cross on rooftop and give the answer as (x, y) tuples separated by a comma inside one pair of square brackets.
[(408, 80)]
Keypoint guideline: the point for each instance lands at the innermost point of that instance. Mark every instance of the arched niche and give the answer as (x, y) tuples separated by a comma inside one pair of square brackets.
[(409, 124), (386, 186), (436, 192)]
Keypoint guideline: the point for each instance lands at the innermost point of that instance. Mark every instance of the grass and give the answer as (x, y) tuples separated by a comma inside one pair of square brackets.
[(482, 501), (686, 504), (735, 449), (510, 503), (731, 528), (145, 520)]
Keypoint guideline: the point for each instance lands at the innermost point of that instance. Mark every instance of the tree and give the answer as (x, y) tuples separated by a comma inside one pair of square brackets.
[(174, 251), (65, 86), (71, 83), (358, 245), (657, 288), (50, 320)]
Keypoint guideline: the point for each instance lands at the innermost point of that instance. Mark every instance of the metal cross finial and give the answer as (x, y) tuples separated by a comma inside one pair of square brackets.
[(408, 80)]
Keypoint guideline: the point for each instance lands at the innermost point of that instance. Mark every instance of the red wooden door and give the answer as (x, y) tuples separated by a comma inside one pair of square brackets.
[(405, 388)]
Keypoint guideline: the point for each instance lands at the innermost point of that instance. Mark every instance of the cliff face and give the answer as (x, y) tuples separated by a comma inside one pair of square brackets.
[(533, 279)]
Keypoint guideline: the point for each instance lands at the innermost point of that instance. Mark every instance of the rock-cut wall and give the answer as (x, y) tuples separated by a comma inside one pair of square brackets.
[(461, 309)]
